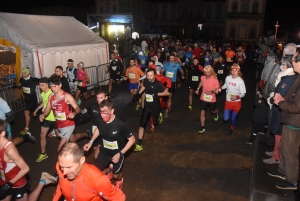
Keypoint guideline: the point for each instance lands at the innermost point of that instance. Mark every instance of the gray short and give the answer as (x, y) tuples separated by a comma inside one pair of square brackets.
[(66, 132)]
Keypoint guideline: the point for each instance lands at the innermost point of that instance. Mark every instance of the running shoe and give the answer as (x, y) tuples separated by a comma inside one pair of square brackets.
[(30, 138), (216, 117), (276, 173), (41, 157), (230, 132), (150, 130), (46, 178), (138, 148), (166, 114), (137, 107), (201, 131), (285, 185), (160, 119), (110, 174), (52, 133), (190, 107), (24, 131), (119, 184)]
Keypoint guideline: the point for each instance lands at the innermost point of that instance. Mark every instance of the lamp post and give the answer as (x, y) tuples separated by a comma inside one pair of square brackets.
[(276, 28)]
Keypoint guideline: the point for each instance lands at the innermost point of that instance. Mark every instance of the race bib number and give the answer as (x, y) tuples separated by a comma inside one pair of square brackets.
[(240, 59), (228, 59), (131, 75), (60, 116), (206, 59), (149, 98), (195, 78), (2, 175), (207, 97), (220, 71), (170, 74), (143, 61), (79, 83), (26, 90), (110, 145), (93, 129), (114, 68)]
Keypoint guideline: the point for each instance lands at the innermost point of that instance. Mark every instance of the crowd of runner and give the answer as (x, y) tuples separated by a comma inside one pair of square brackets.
[(154, 69)]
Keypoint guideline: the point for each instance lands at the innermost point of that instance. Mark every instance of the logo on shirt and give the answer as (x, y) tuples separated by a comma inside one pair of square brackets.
[(114, 132), (151, 86), (95, 111)]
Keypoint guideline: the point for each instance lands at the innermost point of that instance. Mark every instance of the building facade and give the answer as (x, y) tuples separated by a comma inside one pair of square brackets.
[(245, 19)]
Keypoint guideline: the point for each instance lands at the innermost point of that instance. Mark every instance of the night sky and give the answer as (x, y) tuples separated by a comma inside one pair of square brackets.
[(285, 11)]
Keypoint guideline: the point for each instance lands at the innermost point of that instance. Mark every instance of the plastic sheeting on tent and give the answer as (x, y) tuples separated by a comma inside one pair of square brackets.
[(43, 42)]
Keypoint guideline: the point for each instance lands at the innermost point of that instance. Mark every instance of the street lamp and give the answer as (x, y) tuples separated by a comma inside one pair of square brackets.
[(200, 26)]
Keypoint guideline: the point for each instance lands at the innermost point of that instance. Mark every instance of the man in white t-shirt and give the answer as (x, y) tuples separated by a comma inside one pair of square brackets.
[(235, 90)]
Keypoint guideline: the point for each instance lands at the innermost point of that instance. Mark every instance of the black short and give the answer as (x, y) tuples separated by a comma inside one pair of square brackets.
[(103, 161), (115, 76), (193, 85), (31, 105), (49, 124), (205, 105), (173, 87), (82, 89), (146, 114), (18, 193)]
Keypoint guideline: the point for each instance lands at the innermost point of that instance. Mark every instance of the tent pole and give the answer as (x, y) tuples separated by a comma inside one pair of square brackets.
[(37, 55), (107, 54)]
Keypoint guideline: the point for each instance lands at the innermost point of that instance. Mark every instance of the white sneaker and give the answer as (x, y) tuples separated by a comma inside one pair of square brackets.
[(271, 161), (269, 153)]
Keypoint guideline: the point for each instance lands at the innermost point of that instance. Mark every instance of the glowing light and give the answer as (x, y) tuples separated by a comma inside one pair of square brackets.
[(115, 28)]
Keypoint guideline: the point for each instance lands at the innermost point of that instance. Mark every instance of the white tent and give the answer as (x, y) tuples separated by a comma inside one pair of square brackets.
[(43, 42)]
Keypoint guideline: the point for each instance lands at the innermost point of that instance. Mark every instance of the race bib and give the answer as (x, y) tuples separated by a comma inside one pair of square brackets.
[(149, 98), (114, 68), (93, 129), (131, 75), (195, 78), (60, 116), (207, 97), (220, 71), (110, 145), (216, 59), (170, 74), (206, 59), (26, 90), (143, 61), (240, 59), (228, 59), (79, 83), (2, 175)]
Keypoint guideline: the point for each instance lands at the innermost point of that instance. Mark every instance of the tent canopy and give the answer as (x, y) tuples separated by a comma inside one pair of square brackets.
[(48, 34)]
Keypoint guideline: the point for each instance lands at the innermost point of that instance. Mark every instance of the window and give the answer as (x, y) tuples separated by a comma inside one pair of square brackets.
[(245, 8), (164, 13), (107, 8), (234, 7), (255, 7), (182, 14), (232, 32), (198, 14), (114, 8), (218, 13), (173, 13), (101, 9), (252, 33), (190, 14), (208, 13)]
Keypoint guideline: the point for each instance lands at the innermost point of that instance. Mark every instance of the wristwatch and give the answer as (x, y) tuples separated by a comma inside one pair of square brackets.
[(121, 154)]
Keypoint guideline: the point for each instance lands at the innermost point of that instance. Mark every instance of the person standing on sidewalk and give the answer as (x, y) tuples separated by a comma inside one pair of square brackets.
[(288, 169)]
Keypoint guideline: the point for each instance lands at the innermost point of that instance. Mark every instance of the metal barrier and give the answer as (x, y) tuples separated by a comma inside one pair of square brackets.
[(10, 94)]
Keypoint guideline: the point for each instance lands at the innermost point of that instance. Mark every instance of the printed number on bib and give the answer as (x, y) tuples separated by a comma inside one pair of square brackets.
[(149, 97), (207, 97), (131, 75), (143, 61), (114, 68), (93, 129), (60, 116), (2, 175), (206, 59), (195, 78), (220, 71), (110, 145), (26, 90), (170, 74), (228, 59)]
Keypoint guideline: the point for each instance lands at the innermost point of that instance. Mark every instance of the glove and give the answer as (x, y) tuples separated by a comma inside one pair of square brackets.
[(4, 190)]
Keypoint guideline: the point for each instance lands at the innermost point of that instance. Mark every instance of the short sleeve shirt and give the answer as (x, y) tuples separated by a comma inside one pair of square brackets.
[(151, 90), (45, 99), (171, 70), (134, 74)]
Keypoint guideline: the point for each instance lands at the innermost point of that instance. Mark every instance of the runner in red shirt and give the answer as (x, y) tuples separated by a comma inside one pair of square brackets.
[(197, 51), (229, 54)]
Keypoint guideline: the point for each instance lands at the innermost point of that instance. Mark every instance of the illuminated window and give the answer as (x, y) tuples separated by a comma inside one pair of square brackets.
[(255, 7), (245, 8)]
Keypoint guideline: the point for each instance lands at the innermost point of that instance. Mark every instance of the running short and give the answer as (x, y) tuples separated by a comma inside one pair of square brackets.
[(82, 89), (66, 132), (19, 193), (49, 124), (103, 161), (146, 114), (133, 86), (115, 76), (30, 105), (211, 105), (173, 87), (234, 106), (193, 85)]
